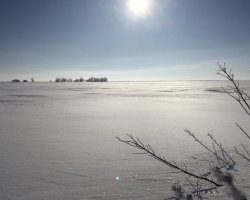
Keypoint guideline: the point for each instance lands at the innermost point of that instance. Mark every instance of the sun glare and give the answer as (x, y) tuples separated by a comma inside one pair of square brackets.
[(140, 8)]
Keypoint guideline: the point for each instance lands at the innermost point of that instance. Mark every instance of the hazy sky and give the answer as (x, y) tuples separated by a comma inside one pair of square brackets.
[(178, 39)]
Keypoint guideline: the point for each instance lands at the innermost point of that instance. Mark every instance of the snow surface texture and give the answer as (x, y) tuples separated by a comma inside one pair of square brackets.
[(57, 140)]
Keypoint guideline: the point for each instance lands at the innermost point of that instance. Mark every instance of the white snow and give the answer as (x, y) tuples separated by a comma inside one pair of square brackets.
[(57, 140)]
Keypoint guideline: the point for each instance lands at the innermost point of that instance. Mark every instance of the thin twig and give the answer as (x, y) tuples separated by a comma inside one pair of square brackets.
[(243, 130)]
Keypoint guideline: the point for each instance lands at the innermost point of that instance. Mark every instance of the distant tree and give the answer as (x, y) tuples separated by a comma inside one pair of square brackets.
[(81, 80), (58, 80), (25, 81), (104, 79), (63, 80), (32, 80), (91, 79)]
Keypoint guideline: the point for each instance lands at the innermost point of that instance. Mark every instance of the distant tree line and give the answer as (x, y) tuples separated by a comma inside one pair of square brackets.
[(91, 79), (63, 80), (25, 80)]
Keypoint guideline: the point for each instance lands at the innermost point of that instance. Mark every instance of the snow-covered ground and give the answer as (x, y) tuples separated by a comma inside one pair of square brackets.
[(57, 140)]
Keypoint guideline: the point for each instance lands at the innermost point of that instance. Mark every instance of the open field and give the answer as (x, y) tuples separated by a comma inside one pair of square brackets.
[(57, 140)]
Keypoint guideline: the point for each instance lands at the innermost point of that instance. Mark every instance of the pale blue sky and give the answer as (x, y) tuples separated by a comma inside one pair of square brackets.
[(180, 39)]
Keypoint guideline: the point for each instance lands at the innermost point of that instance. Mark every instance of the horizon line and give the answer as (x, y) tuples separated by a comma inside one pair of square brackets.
[(129, 81)]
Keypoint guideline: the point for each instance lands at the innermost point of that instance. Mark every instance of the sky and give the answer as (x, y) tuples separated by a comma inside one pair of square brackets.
[(175, 40)]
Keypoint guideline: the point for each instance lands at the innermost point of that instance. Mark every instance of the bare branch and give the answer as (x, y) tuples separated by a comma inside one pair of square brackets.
[(243, 130), (245, 150), (148, 150), (241, 154), (242, 98), (222, 150), (217, 156)]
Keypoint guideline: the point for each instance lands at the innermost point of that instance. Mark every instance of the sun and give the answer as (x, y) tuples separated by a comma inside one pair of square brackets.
[(140, 8)]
